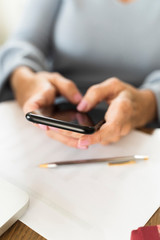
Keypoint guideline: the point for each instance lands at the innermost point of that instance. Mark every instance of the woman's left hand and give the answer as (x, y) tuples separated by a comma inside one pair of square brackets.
[(128, 108)]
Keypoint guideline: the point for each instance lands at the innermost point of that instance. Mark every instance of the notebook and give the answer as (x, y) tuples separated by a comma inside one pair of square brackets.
[(13, 204)]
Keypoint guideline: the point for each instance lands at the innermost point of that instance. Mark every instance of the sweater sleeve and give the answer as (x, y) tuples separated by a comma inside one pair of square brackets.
[(31, 43), (152, 82)]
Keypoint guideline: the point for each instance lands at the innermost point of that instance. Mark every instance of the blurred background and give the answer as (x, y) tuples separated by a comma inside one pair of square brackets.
[(10, 14)]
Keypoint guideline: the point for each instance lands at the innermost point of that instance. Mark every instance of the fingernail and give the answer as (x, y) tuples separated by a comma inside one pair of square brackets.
[(53, 129), (82, 106), (82, 147), (83, 143), (77, 97), (43, 127)]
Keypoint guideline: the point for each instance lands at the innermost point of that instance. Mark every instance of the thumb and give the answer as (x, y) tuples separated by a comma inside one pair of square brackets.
[(34, 103), (40, 99)]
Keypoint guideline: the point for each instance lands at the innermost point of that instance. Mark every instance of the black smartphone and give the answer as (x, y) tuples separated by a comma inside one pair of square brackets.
[(65, 116)]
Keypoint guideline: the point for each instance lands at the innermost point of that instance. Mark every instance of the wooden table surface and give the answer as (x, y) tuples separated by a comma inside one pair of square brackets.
[(20, 231)]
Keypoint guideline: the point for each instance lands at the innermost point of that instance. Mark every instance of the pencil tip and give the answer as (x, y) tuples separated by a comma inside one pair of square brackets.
[(43, 165)]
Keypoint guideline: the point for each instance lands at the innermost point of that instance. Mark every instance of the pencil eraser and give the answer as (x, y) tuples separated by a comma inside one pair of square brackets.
[(13, 204)]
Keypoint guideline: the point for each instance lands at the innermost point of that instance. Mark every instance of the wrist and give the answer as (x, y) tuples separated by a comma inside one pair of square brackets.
[(20, 81), (150, 105), (20, 75)]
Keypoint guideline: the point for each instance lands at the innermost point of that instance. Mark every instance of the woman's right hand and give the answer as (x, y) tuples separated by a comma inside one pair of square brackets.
[(35, 90)]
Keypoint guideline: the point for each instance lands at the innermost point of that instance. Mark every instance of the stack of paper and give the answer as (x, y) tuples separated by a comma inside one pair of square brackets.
[(94, 201)]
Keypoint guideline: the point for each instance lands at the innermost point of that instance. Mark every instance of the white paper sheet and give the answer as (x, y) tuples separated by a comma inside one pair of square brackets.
[(156, 133), (93, 201)]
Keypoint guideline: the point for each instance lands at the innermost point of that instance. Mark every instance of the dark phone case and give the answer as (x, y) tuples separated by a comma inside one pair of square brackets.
[(62, 124)]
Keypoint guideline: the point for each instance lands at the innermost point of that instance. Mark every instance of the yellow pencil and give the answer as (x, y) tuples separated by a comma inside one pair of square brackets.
[(110, 161)]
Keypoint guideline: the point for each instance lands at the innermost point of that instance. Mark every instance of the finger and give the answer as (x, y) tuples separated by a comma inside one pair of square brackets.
[(97, 93), (33, 103), (117, 125), (40, 100), (104, 136), (66, 132), (69, 141), (66, 87), (43, 127), (87, 140)]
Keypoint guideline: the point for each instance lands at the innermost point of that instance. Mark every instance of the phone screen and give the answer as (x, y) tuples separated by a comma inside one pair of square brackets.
[(64, 115), (67, 112)]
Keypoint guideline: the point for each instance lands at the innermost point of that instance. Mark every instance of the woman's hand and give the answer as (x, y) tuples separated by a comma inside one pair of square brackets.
[(128, 108), (35, 90)]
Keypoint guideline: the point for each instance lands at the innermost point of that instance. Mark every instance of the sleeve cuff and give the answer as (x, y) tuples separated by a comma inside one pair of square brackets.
[(5, 88), (152, 82), (15, 55)]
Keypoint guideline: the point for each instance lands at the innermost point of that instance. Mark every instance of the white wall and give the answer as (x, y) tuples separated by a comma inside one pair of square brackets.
[(10, 12)]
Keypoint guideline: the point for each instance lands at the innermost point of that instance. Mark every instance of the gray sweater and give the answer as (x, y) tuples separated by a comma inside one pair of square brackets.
[(87, 41)]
